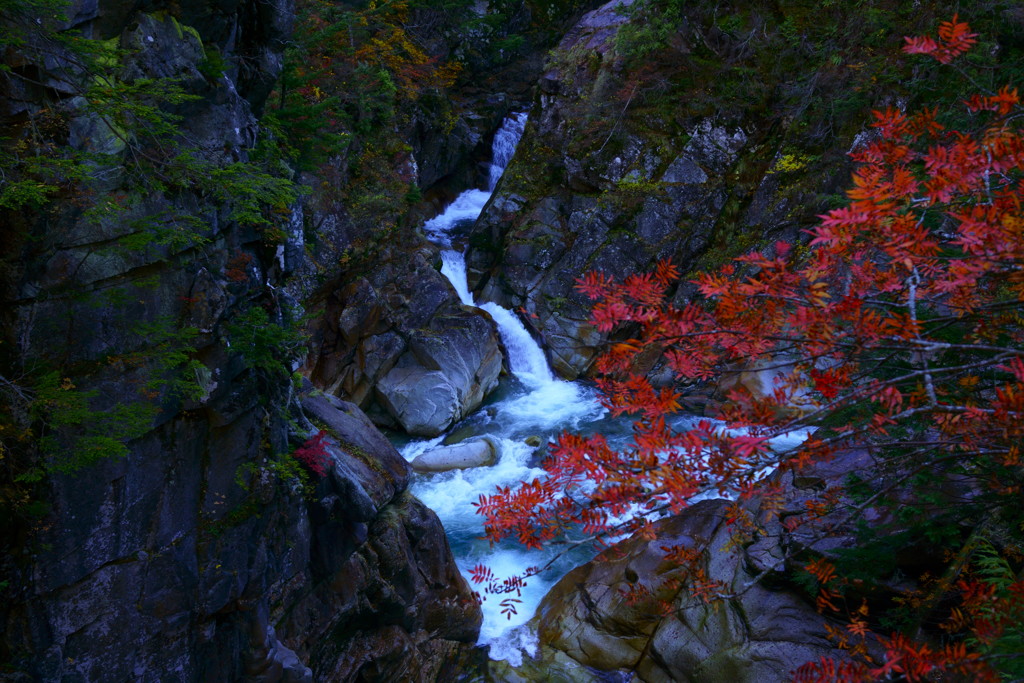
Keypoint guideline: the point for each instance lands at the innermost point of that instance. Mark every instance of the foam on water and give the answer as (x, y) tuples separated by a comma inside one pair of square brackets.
[(516, 642), (453, 267), (555, 406), (466, 207), (452, 494)]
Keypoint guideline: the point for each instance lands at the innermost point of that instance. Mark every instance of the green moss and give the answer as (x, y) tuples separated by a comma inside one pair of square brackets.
[(629, 194), (555, 303), (534, 169), (729, 240), (248, 509), (181, 29), (213, 65), (790, 162)]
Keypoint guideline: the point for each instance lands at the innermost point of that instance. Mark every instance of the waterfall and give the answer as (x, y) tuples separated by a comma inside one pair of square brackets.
[(504, 146), (453, 267), (465, 209), (467, 206), (525, 357), (537, 406)]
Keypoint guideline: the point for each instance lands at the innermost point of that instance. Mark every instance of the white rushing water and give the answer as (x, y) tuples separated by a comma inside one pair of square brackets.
[(532, 404), (504, 146)]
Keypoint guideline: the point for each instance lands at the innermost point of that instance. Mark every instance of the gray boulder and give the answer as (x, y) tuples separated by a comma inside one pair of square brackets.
[(424, 402), (401, 346), (443, 376), (475, 453)]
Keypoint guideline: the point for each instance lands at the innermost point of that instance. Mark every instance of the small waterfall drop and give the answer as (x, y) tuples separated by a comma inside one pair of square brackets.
[(525, 357), (453, 267), (504, 146)]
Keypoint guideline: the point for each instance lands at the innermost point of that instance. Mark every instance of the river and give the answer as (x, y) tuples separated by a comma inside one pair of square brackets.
[(531, 403)]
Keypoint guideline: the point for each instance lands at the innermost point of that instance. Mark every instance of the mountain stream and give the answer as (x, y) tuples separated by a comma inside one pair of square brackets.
[(530, 403)]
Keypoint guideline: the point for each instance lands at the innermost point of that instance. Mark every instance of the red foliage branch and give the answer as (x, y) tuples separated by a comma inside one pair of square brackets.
[(955, 38), (313, 454), (899, 326)]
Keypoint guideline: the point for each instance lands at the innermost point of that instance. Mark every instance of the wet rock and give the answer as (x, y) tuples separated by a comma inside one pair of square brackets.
[(367, 465), (762, 635), (423, 402), (403, 347), (759, 379), (459, 435), (685, 171), (445, 374), (476, 453)]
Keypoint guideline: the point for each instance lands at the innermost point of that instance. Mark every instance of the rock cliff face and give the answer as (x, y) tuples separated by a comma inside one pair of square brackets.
[(203, 551), (161, 568), (621, 166)]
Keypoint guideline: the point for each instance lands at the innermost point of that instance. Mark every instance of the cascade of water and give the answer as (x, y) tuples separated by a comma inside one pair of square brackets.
[(504, 146), (466, 208), (541, 406), (525, 357), (453, 267)]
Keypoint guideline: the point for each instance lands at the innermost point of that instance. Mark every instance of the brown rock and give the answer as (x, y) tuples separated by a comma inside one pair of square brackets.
[(760, 635)]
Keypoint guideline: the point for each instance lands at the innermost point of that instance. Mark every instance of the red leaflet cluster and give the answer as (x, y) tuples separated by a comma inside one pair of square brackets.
[(955, 38), (905, 660), (900, 325), (313, 454)]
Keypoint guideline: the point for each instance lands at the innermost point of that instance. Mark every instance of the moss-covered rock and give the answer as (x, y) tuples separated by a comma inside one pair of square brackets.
[(702, 131)]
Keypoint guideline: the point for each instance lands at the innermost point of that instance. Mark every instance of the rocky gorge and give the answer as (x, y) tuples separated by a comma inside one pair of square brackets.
[(191, 554), (168, 244)]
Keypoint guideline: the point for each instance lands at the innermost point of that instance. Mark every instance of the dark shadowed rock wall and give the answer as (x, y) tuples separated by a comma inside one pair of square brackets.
[(198, 555)]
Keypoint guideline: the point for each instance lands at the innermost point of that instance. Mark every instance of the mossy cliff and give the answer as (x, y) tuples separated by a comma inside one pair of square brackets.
[(157, 525), (695, 131)]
